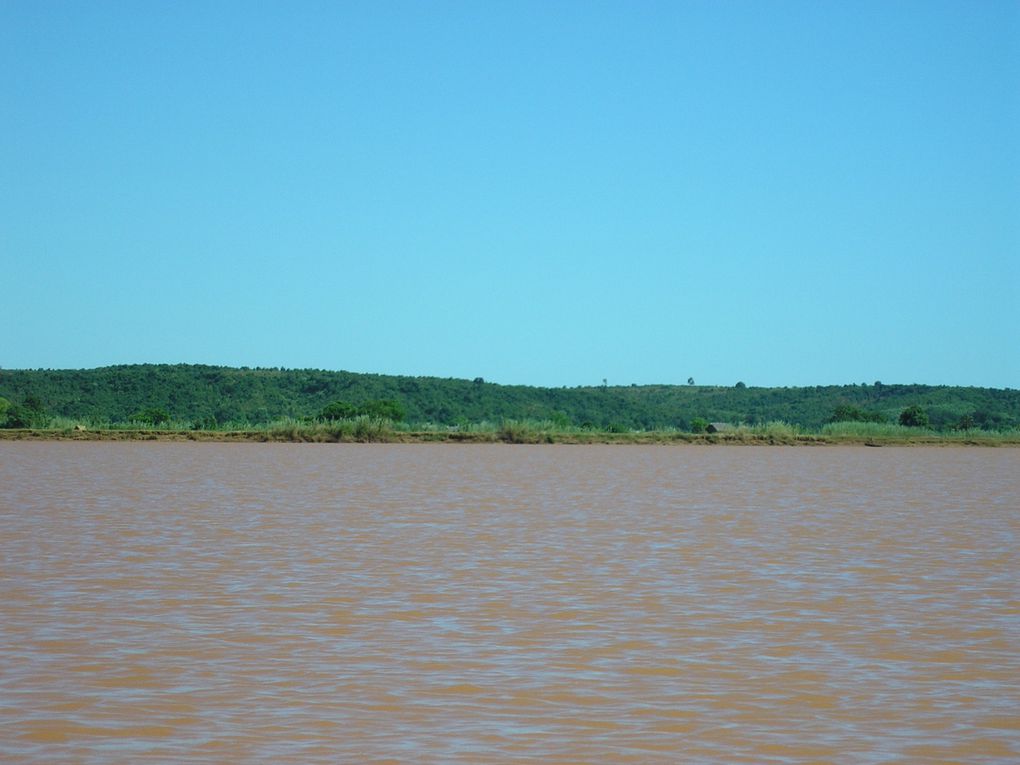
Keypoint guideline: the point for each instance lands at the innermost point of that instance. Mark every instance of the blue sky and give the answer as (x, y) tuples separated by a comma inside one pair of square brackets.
[(548, 193)]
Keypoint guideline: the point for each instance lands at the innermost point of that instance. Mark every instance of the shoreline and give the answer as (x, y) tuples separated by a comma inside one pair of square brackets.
[(297, 435)]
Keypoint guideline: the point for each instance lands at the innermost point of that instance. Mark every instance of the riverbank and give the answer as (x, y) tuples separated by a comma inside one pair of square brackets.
[(523, 433)]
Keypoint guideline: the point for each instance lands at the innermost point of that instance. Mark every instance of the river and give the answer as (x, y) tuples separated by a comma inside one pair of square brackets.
[(303, 603)]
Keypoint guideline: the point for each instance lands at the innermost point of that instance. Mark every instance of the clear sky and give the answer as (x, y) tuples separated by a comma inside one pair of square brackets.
[(548, 193)]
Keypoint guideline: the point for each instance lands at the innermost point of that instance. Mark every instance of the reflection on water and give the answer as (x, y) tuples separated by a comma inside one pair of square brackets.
[(373, 603)]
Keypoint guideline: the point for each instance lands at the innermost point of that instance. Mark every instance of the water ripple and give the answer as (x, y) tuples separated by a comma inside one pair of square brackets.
[(372, 603)]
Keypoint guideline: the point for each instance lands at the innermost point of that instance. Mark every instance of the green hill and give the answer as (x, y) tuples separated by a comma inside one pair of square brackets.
[(209, 395)]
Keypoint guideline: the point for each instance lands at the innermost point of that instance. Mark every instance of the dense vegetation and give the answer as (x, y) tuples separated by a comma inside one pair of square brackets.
[(210, 397)]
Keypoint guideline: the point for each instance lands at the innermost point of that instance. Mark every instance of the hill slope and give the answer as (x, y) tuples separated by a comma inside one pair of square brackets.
[(193, 393)]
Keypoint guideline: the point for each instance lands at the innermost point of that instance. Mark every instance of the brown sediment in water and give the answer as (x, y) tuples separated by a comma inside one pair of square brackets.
[(374, 603)]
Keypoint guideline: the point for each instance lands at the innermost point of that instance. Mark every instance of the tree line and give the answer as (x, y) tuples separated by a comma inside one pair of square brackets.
[(211, 397)]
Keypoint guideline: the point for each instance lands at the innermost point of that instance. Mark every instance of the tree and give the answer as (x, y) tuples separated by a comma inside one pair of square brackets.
[(384, 409), (205, 423), (845, 413), (4, 406), (151, 416), (699, 425), (740, 386), (965, 423), (560, 419), (18, 417), (914, 417), (851, 413), (338, 410), (29, 414), (690, 381)]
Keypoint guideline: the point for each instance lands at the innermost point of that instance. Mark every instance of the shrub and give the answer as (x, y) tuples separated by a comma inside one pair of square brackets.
[(205, 423), (338, 410), (851, 413), (379, 409), (384, 409), (914, 417), (965, 423), (28, 414), (18, 417), (151, 416)]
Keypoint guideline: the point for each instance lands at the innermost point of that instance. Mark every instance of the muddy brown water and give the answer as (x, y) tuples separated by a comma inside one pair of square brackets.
[(473, 604)]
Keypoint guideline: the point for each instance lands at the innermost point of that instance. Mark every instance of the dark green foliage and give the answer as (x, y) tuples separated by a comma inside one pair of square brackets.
[(18, 417), (560, 419), (699, 425), (211, 396), (29, 414), (914, 417), (846, 413), (851, 413), (338, 410), (386, 409), (151, 416)]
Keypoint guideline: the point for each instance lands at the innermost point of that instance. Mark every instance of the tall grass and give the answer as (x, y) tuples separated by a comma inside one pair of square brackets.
[(60, 423), (866, 430), (354, 429), (878, 432), (777, 429), (525, 431)]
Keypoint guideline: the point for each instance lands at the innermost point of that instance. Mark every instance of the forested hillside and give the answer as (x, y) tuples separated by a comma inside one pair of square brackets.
[(211, 396)]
